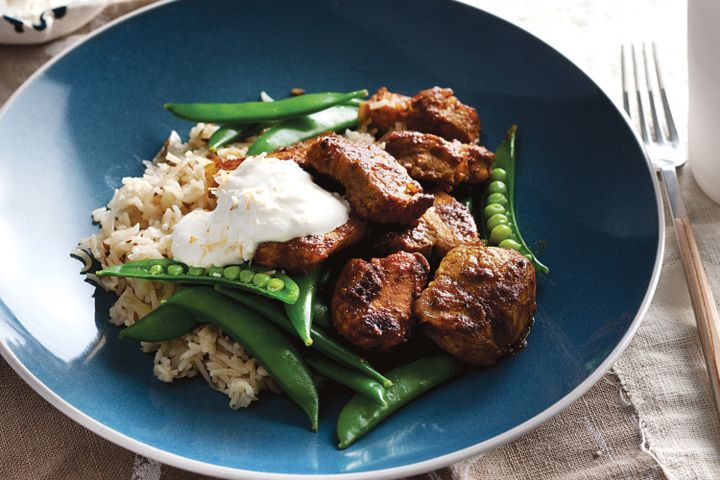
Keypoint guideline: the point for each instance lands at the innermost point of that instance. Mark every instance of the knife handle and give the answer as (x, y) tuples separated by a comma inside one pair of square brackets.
[(703, 302)]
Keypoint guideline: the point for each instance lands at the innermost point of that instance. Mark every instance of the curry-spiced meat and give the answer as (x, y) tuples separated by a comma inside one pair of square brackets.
[(435, 110), (480, 303), (384, 111), (303, 253), (372, 302), (377, 187), (430, 158), (296, 152), (444, 226)]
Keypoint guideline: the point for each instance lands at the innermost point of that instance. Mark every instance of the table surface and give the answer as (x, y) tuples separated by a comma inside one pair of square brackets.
[(650, 417)]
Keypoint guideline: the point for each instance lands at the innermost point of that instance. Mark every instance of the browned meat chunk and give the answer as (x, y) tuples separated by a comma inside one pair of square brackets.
[(303, 253), (437, 110), (372, 301), (384, 111), (417, 238), (480, 303), (442, 227), (376, 185), (430, 158), (452, 225), (296, 152)]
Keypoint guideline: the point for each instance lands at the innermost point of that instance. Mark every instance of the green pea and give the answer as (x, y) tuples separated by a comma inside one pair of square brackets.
[(156, 270), (497, 186), (232, 272), (510, 244), (261, 279), (498, 174), (275, 285), (497, 198), (497, 219), (500, 233), (246, 276), (215, 272), (176, 270), (196, 271), (493, 209)]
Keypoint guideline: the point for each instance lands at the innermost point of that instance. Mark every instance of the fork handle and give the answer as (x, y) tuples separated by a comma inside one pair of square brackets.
[(701, 296)]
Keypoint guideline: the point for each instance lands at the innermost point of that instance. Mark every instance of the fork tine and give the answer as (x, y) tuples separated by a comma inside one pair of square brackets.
[(663, 98), (657, 127), (638, 95), (623, 73)]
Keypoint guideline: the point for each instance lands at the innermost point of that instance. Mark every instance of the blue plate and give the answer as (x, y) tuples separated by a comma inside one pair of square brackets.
[(67, 137)]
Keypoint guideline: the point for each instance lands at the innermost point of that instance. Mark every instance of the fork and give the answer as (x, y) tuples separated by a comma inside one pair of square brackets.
[(667, 155)]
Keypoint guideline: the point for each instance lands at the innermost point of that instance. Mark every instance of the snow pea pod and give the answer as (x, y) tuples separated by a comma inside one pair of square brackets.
[(252, 112), (232, 133), (339, 117), (322, 342), (321, 314), (350, 378), (360, 414), (252, 278), (262, 339), (166, 322), (501, 224), (301, 312)]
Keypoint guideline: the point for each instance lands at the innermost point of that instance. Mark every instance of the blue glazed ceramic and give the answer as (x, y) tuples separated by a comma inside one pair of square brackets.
[(584, 188)]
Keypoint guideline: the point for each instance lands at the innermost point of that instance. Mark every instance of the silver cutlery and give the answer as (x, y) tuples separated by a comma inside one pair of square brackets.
[(664, 149)]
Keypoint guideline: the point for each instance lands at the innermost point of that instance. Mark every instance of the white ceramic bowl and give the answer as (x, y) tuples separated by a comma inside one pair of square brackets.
[(50, 24)]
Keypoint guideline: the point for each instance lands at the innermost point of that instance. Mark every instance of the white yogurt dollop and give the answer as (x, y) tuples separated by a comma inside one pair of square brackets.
[(263, 200)]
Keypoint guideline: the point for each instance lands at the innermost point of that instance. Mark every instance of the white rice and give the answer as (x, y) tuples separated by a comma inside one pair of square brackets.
[(136, 225)]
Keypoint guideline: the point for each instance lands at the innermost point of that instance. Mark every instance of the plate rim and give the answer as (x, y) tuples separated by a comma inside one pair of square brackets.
[(411, 469)]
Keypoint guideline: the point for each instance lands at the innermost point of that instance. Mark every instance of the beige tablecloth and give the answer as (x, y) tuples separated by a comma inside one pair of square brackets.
[(651, 417)]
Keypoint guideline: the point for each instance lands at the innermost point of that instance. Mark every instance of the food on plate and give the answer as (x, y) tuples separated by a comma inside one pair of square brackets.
[(445, 225), (302, 311), (360, 414), (365, 386), (435, 110), (253, 112), (297, 152), (161, 325), (263, 340), (377, 187), (337, 118), (372, 302), (322, 342), (263, 200), (280, 246), (479, 304), (302, 254), (429, 158), (499, 211), (385, 111), (246, 277)]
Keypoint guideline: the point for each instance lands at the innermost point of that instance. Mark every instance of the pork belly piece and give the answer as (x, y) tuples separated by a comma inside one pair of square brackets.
[(384, 111), (301, 254), (444, 226), (372, 302), (377, 187), (430, 158), (480, 303), (435, 110)]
